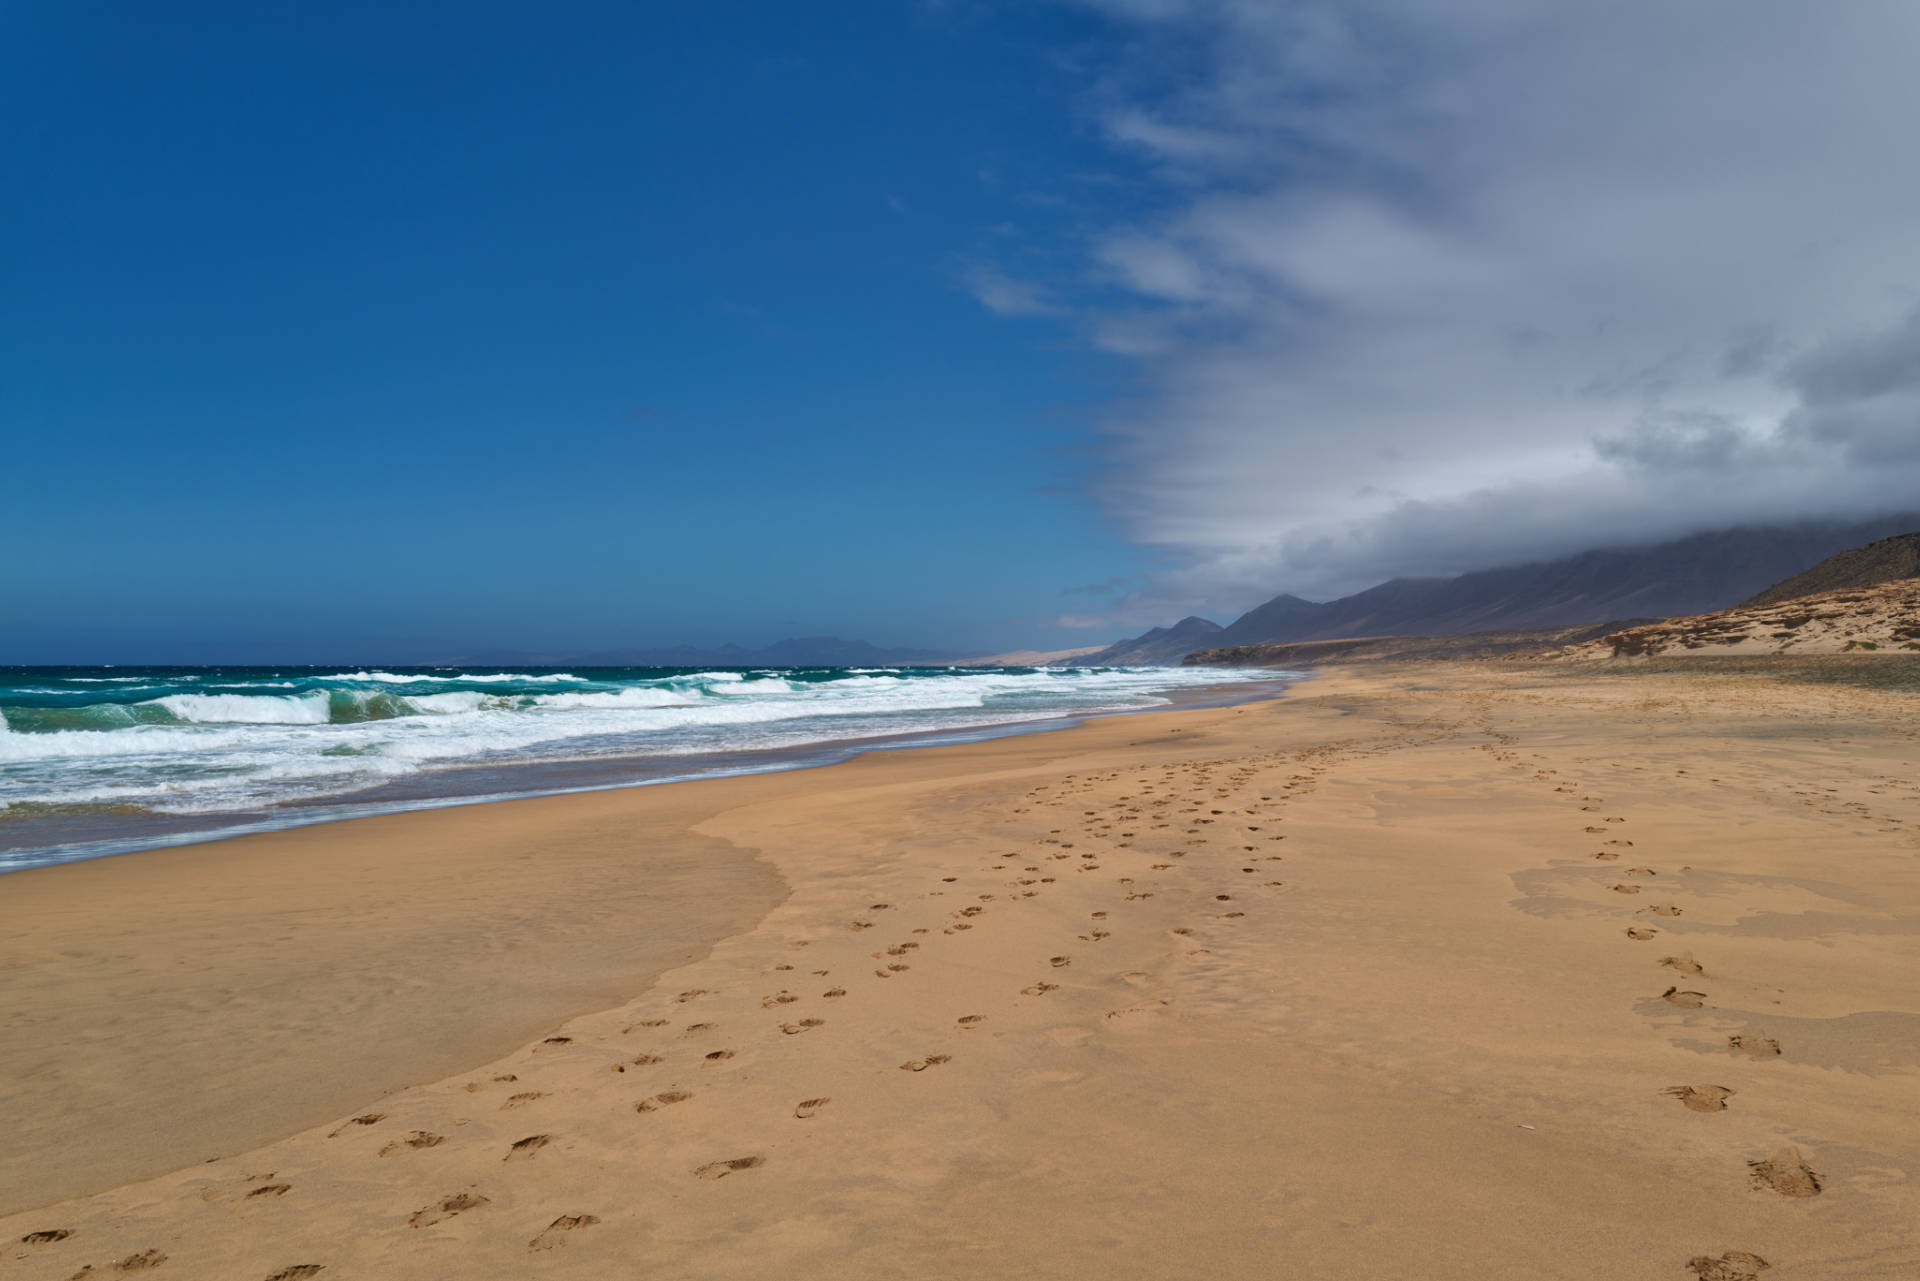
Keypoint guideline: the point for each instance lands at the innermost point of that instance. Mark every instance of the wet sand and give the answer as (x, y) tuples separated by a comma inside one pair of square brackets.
[(1457, 971)]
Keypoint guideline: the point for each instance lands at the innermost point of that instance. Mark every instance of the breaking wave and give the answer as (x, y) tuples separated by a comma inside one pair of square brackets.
[(210, 740)]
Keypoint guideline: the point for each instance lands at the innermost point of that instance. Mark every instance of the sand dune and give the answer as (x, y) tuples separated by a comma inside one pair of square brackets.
[(1420, 972)]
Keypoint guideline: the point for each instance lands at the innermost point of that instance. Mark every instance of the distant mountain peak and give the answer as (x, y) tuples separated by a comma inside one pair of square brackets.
[(1160, 646), (1694, 575)]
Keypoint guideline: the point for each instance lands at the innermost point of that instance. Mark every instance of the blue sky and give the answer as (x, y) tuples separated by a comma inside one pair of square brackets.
[(406, 330), (395, 331)]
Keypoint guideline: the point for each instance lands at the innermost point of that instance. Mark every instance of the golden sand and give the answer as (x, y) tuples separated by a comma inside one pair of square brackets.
[(1445, 972)]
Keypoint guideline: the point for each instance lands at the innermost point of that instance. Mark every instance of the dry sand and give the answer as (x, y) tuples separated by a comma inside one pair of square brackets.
[(1446, 972)]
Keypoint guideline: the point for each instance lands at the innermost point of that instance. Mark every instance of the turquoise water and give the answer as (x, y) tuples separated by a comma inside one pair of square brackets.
[(117, 754)]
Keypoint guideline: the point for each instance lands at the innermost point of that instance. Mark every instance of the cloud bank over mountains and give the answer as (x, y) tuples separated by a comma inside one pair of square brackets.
[(1421, 287)]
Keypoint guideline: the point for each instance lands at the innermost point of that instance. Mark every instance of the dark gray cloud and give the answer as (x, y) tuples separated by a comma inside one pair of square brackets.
[(1861, 396), (1429, 287)]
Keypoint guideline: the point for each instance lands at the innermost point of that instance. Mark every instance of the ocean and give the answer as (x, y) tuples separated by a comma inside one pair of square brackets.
[(105, 760)]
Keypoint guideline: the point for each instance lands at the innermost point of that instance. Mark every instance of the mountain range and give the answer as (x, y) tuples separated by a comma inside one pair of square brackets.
[(1886, 561), (1694, 575)]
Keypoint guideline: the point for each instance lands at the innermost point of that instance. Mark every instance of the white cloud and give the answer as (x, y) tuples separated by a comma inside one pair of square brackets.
[(1005, 296), (1429, 287)]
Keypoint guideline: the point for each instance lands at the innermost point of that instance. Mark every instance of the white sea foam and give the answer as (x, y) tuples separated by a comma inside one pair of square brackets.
[(404, 678), (229, 749), (635, 697), (754, 686), (455, 702), (251, 709)]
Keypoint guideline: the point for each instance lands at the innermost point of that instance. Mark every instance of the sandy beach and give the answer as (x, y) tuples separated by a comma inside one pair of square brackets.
[(1456, 971)]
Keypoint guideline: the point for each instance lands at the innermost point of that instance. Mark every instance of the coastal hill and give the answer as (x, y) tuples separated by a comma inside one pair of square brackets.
[(1884, 618), (1687, 576), (1162, 645), (1526, 642), (1874, 609), (1865, 599), (1886, 561)]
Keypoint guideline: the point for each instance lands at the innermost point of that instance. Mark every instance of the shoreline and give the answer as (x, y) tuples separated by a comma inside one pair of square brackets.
[(232, 825), (165, 887), (1342, 984)]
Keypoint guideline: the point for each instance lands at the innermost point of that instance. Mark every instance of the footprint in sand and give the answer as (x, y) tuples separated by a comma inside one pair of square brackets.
[(558, 1040), (46, 1237), (778, 998), (1786, 1174), (1756, 1047), (1685, 1000), (663, 1099), (1663, 909), (528, 1146), (554, 1235), (134, 1262), (270, 1189), (446, 1208), (521, 1100), (1057, 961), (682, 999), (804, 1025), (298, 1272), (645, 1060), (1683, 962), (721, 1169), (807, 1109), (370, 1118), (834, 993), (1624, 889), (418, 1139), (921, 1065), (719, 1056), (1607, 856), (1640, 933), (1734, 1265), (1039, 989), (968, 1020), (1700, 1098)]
